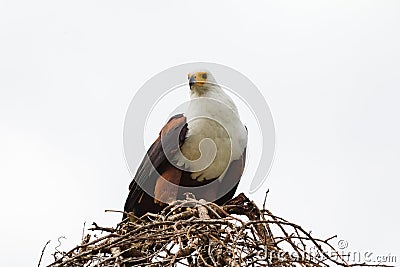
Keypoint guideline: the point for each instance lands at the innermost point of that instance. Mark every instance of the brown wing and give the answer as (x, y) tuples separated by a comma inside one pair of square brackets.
[(154, 164)]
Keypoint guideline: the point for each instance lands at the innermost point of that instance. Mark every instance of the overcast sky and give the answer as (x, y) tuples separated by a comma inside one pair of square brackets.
[(329, 71)]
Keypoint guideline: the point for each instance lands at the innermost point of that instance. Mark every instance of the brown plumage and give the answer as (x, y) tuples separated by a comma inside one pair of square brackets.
[(158, 181), (139, 202)]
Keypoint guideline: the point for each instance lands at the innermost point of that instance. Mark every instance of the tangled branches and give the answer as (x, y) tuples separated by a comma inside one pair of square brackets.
[(199, 233)]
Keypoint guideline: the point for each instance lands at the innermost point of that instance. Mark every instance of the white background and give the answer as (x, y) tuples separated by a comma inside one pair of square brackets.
[(328, 69)]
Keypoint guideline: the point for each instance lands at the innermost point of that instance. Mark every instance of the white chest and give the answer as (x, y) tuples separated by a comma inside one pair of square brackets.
[(212, 144)]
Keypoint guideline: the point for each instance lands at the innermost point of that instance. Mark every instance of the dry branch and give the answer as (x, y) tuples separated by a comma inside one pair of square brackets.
[(199, 233)]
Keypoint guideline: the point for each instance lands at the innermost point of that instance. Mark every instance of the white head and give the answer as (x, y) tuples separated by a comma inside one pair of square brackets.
[(201, 82), (203, 85)]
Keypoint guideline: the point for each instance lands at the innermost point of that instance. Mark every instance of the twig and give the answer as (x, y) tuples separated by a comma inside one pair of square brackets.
[(41, 255)]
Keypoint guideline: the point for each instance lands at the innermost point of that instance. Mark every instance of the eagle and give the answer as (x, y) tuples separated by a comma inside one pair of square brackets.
[(202, 151)]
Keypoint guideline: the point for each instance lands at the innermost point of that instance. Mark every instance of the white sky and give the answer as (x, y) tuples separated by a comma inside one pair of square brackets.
[(328, 69)]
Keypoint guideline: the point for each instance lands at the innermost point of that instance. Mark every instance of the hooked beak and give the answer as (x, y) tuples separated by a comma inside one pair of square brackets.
[(192, 81)]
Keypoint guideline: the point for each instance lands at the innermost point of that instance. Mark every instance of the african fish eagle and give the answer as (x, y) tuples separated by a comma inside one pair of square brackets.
[(177, 163)]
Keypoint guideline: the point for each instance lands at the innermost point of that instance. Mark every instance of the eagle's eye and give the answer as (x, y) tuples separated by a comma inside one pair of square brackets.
[(204, 76)]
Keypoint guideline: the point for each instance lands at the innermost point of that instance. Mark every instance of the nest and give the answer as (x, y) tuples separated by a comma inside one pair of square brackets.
[(199, 233)]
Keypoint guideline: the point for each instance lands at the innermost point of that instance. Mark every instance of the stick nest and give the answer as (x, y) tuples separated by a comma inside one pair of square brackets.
[(199, 233)]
